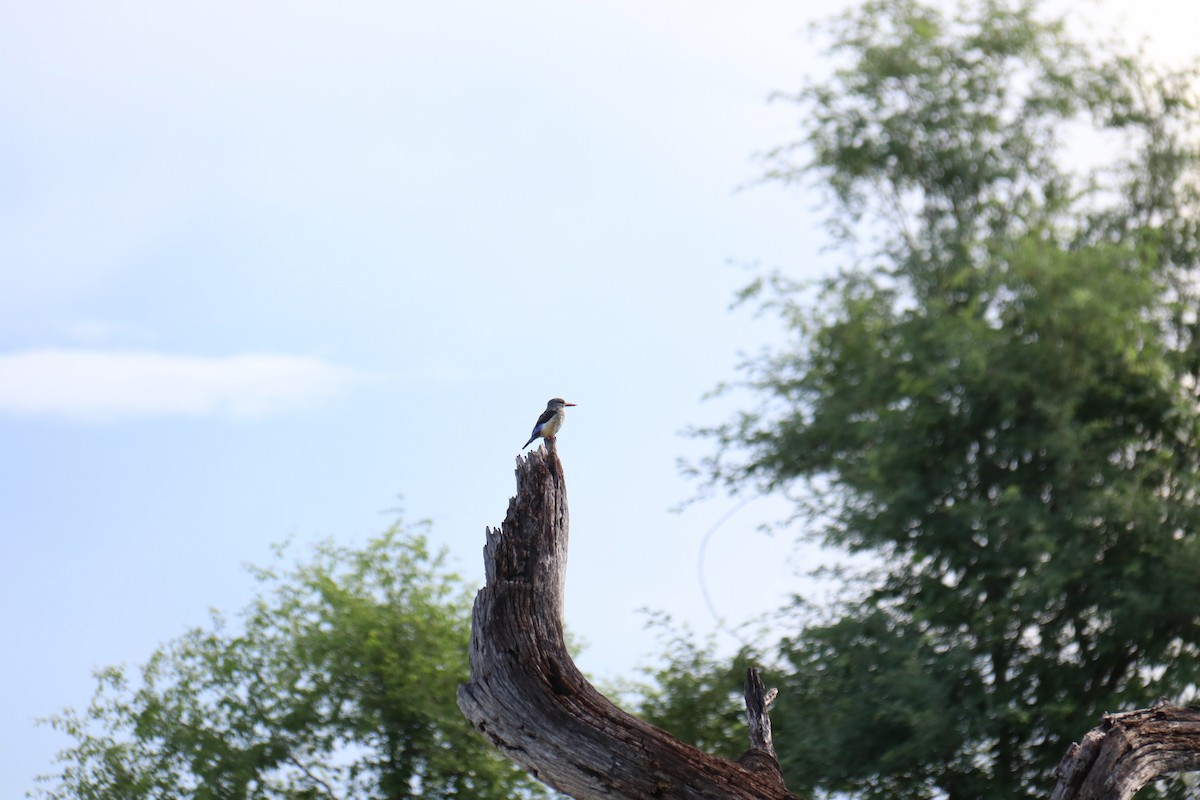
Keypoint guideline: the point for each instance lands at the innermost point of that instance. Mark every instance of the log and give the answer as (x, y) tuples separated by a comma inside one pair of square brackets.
[(527, 697), (1127, 751)]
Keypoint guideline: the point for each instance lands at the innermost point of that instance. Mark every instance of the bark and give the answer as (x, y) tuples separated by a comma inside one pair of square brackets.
[(527, 697), (1127, 751)]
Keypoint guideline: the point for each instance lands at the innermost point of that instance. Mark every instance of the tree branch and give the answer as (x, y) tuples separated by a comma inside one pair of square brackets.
[(528, 698), (1127, 751), (761, 757)]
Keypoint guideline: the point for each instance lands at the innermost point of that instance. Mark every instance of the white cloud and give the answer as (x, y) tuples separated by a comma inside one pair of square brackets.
[(104, 385)]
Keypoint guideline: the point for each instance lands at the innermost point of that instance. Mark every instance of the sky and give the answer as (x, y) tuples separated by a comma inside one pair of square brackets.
[(274, 270)]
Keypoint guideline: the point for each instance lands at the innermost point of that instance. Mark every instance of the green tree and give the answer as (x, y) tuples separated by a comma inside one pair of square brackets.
[(338, 683), (997, 399)]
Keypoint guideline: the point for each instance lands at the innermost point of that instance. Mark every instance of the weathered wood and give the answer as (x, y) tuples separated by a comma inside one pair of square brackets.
[(761, 756), (1127, 751), (528, 698)]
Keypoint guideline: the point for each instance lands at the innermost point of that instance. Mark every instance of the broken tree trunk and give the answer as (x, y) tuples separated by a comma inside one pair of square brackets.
[(527, 697), (1127, 751)]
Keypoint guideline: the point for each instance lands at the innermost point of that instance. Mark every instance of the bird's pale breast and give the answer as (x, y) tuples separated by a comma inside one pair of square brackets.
[(552, 425)]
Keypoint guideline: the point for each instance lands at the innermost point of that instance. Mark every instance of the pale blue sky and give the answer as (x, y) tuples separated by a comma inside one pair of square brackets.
[(265, 267)]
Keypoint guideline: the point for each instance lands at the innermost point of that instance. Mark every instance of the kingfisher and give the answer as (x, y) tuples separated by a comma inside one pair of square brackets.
[(550, 420)]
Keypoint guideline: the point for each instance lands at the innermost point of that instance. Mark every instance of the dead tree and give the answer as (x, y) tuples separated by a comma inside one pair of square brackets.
[(1127, 751), (528, 698)]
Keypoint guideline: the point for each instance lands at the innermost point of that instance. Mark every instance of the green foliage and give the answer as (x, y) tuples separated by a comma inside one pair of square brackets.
[(1001, 404), (340, 683), (694, 694)]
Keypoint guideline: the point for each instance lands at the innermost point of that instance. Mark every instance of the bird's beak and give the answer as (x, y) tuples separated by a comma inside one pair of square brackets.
[(568, 404)]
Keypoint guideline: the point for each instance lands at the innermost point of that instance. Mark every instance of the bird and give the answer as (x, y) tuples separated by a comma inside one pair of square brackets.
[(550, 420)]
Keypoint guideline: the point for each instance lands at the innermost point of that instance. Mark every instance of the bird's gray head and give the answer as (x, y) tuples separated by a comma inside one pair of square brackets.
[(557, 403)]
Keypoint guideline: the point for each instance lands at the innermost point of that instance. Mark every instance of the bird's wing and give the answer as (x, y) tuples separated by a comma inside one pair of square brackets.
[(546, 416)]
